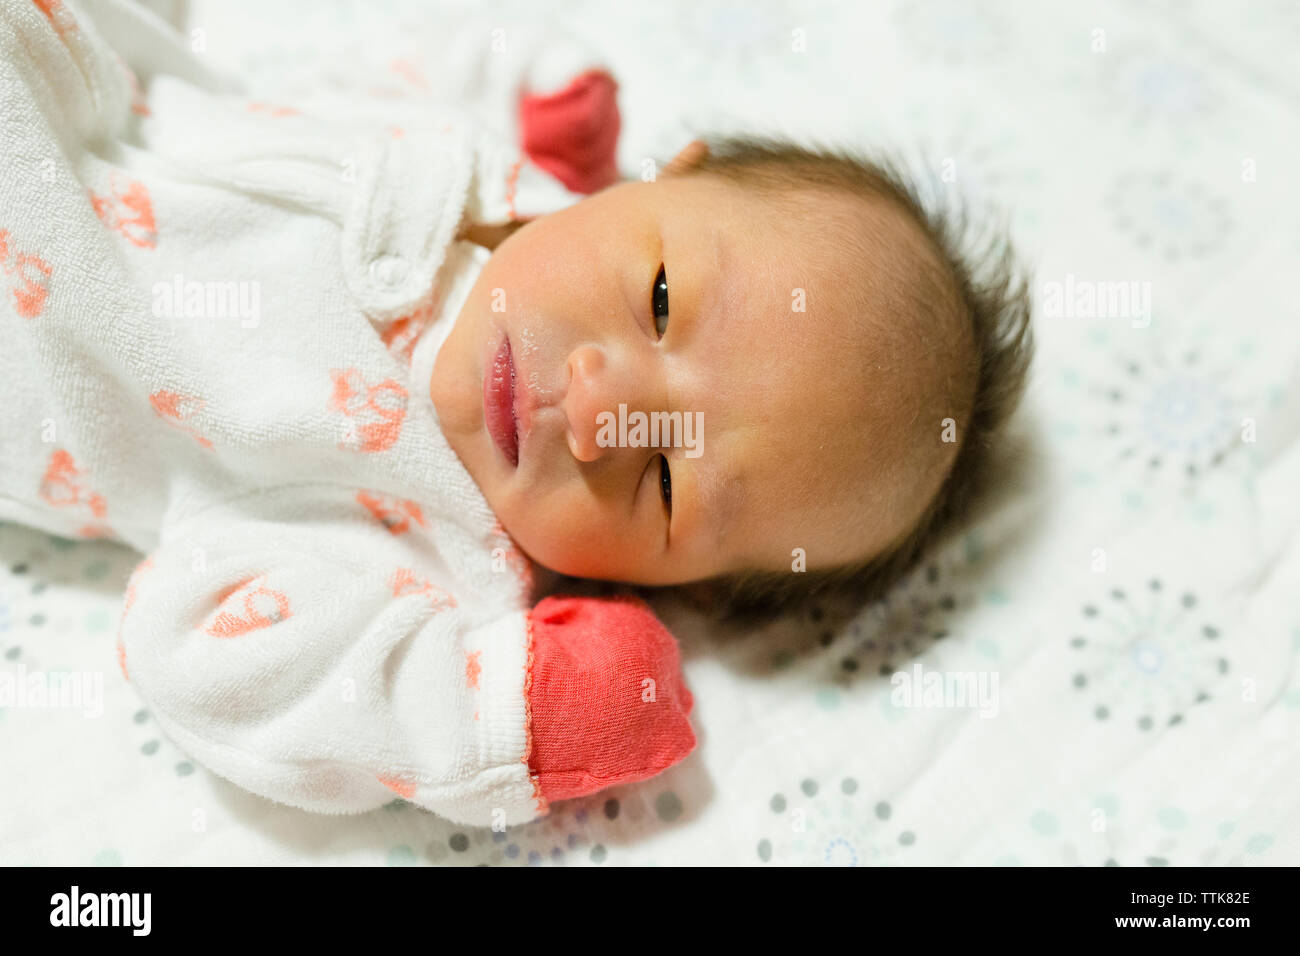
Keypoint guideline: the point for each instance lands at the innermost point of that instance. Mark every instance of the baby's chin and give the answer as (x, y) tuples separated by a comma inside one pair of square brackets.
[(586, 568)]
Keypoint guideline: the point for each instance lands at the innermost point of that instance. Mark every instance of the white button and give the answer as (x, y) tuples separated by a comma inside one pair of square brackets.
[(388, 270)]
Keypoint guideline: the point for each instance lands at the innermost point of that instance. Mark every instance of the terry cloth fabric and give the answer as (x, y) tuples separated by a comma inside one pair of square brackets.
[(220, 320), (572, 134), (602, 672)]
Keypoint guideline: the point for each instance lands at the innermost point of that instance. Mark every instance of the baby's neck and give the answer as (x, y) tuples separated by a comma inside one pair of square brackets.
[(489, 237)]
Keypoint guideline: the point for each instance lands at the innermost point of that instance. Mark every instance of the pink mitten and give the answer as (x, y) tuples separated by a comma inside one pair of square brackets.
[(572, 134), (606, 695)]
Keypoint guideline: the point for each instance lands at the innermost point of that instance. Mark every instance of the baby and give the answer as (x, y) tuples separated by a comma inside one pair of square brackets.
[(346, 382), (821, 328)]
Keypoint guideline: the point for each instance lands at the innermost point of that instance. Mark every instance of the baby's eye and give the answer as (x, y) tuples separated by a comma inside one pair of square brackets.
[(666, 483), (659, 302)]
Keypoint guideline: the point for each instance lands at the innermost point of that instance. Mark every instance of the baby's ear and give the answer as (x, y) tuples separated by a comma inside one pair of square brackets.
[(691, 155)]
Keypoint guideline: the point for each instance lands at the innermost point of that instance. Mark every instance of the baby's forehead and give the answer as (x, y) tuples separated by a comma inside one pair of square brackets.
[(831, 248), (818, 295), (848, 376), (855, 217)]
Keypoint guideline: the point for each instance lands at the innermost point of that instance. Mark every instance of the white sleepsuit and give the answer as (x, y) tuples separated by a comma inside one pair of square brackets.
[(219, 320)]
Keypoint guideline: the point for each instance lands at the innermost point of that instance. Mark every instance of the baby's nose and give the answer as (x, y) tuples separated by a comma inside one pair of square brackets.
[(587, 395)]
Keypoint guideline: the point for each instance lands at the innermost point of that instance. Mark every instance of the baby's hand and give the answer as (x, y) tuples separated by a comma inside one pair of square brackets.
[(607, 699), (573, 133)]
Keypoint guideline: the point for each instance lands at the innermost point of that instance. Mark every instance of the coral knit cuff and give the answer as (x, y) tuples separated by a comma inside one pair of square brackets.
[(607, 701), (572, 134)]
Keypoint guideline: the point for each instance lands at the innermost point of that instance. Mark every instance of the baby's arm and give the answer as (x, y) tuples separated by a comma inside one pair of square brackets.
[(312, 662)]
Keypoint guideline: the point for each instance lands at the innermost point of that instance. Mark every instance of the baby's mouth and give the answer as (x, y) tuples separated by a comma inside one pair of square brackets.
[(499, 403)]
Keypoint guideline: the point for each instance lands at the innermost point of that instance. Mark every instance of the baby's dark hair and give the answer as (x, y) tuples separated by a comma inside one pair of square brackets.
[(987, 287)]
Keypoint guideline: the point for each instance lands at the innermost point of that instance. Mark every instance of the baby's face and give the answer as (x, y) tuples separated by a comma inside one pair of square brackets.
[(796, 391)]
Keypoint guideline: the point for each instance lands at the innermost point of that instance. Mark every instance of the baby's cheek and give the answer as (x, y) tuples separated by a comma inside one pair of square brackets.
[(572, 534)]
